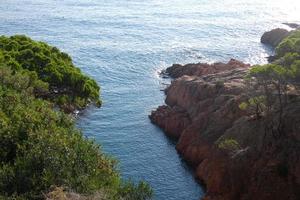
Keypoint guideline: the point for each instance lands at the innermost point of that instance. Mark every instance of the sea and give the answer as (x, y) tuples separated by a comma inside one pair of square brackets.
[(124, 44)]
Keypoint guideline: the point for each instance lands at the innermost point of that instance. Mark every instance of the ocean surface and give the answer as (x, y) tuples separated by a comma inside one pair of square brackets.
[(123, 44)]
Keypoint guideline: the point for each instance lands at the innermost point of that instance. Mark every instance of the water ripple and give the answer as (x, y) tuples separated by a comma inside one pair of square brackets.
[(124, 44)]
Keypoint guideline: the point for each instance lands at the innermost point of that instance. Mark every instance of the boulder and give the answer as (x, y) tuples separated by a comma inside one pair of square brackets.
[(274, 37)]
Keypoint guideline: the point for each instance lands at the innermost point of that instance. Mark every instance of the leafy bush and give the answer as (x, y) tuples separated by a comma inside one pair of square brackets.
[(139, 191), (243, 105), (291, 44), (229, 145)]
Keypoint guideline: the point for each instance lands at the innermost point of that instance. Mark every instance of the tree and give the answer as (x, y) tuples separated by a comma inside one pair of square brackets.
[(51, 66)]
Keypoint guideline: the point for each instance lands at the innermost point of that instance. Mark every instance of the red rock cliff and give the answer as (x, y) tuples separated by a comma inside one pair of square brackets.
[(202, 112)]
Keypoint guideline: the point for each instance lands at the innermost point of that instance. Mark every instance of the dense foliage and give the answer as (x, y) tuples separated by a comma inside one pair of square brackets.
[(40, 146), (68, 87)]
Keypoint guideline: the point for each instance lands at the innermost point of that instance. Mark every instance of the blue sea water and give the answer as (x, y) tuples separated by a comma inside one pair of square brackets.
[(123, 44)]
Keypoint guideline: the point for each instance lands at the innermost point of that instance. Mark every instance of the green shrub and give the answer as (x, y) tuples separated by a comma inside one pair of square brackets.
[(243, 105), (291, 44), (229, 145)]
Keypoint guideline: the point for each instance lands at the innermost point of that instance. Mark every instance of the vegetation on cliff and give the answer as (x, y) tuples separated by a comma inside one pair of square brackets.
[(63, 83), (40, 147), (239, 125), (272, 87)]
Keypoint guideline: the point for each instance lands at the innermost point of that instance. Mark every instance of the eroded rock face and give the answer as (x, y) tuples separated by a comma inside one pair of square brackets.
[(171, 120), (274, 37), (202, 110), (200, 69)]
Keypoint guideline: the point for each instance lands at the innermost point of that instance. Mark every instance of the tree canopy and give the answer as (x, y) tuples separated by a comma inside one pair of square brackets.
[(67, 86)]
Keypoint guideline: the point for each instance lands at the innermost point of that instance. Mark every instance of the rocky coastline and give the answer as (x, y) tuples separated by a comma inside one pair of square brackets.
[(275, 36), (232, 155)]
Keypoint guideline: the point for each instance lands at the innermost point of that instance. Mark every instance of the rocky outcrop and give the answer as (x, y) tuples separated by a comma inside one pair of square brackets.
[(195, 94), (274, 37), (233, 154), (200, 69)]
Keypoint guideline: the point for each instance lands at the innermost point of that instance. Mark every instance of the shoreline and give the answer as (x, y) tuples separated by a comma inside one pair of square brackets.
[(189, 108)]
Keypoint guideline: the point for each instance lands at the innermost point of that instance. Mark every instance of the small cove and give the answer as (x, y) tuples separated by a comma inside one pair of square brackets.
[(124, 44)]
